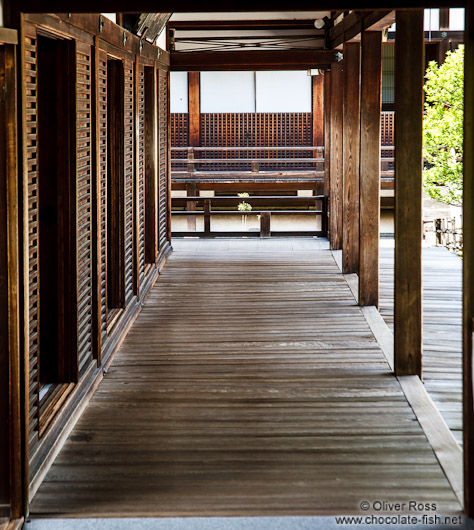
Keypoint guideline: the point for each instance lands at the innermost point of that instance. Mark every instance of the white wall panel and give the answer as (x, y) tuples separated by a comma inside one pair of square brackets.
[(227, 92), (179, 92), (283, 91)]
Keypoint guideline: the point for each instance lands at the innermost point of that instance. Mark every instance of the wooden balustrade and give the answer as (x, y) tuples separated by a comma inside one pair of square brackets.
[(264, 206)]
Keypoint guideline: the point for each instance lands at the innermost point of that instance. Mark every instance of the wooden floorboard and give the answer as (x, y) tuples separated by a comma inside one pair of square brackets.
[(250, 384), (442, 327)]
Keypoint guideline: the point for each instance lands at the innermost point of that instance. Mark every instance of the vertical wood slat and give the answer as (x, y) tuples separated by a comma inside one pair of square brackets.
[(336, 157), (102, 184), (31, 205), (351, 144), (151, 175), (468, 265), (140, 172), (129, 142), (369, 182), (162, 155), (11, 480), (96, 210), (409, 71), (84, 203)]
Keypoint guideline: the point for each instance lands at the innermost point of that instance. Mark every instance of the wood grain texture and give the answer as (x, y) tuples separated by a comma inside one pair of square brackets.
[(327, 130), (409, 71), (369, 182), (318, 109), (442, 327), (468, 275), (250, 384), (336, 157), (194, 108), (351, 143)]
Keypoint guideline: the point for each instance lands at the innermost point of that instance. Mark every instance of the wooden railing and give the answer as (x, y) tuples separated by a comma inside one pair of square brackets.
[(265, 207), (247, 159), (202, 162)]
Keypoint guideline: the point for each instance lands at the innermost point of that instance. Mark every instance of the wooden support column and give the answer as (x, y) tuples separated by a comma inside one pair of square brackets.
[(335, 157), (468, 264), (318, 110), (369, 179), (409, 71), (194, 140), (194, 109), (351, 143), (327, 129), (11, 481)]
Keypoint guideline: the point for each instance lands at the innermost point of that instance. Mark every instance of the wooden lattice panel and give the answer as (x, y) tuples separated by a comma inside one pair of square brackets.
[(141, 172), (179, 130), (387, 120), (256, 130), (31, 163), (102, 116), (128, 176), (163, 153), (84, 204)]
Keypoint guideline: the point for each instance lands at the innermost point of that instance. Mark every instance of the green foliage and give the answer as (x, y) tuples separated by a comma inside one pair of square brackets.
[(443, 128), (244, 206)]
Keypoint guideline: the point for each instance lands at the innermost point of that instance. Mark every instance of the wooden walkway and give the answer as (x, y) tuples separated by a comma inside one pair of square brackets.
[(442, 327), (250, 384)]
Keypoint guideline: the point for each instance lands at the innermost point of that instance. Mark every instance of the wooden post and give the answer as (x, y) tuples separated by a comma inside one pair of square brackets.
[(318, 111), (11, 480), (193, 109), (265, 224), (369, 179), (191, 207), (351, 143), (327, 144), (468, 264), (409, 71), (207, 216), (335, 157)]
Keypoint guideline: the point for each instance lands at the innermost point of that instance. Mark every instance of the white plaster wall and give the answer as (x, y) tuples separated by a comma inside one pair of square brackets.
[(111, 16), (283, 91), (456, 19), (179, 92), (161, 40), (431, 20), (227, 92)]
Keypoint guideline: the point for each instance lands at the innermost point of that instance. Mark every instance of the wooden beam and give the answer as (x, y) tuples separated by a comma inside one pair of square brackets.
[(8, 36), (318, 110), (468, 266), (353, 25), (351, 143), (335, 157), (409, 71), (369, 183), (194, 109), (188, 6), (252, 60)]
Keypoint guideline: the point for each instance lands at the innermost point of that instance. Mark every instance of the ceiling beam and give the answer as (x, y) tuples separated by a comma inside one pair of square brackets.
[(351, 27), (188, 6), (252, 60)]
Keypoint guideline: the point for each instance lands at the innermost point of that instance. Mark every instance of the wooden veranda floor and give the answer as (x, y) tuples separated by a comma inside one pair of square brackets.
[(442, 327), (250, 384)]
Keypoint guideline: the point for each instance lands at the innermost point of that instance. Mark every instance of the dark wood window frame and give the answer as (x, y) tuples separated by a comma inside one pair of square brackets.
[(115, 190)]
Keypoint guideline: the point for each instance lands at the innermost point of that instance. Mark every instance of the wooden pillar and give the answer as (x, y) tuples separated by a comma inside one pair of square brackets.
[(11, 481), (335, 157), (191, 191), (468, 264), (369, 178), (409, 71), (327, 129), (318, 110), (351, 143), (193, 109)]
